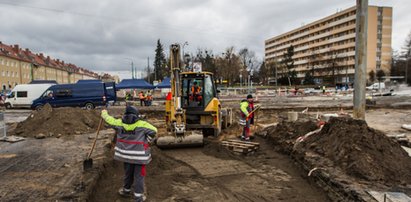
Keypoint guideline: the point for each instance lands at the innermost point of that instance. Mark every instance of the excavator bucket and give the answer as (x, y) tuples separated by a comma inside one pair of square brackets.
[(189, 139)]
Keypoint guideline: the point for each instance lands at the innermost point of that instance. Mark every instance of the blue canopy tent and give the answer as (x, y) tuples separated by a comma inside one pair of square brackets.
[(134, 83), (165, 83), (89, 81)]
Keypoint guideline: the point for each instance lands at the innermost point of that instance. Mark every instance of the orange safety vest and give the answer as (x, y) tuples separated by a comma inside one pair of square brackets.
[(195, 90), (141, 96)]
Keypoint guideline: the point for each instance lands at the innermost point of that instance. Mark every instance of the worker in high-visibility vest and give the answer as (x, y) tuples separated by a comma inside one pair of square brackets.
[(148, 98), (142, 98), (247, 118), (196, 92)]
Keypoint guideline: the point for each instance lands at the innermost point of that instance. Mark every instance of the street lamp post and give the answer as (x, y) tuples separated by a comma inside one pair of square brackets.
[(250, 73), (406, 66), (132, 67), (241, 80), (184, 44)]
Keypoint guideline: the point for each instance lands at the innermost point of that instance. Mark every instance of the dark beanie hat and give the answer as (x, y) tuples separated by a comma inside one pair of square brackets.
[(131, 110), (249, 96)]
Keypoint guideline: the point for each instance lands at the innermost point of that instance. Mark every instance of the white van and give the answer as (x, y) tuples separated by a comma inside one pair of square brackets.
[(23, 95), (376, 86)]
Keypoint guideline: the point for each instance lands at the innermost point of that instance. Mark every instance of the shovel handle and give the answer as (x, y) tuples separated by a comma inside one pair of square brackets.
[(95, 139)]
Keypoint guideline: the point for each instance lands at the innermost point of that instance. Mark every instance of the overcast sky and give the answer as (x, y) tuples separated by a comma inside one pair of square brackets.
[(104, 35)]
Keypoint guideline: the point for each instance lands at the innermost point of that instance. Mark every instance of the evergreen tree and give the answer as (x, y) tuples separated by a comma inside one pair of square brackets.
[(309, 78), (159, 62), (380, 74), (371, 76), (288, 64)]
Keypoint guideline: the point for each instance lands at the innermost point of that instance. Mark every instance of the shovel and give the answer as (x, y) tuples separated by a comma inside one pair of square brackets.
[(88, 163)]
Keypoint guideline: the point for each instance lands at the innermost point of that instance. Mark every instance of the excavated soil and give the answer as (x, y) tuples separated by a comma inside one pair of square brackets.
[(361, 152), (283, 135), (346, 144), (58, 122)]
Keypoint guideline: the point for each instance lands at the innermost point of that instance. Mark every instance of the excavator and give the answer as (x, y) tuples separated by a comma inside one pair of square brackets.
[(193, 109)]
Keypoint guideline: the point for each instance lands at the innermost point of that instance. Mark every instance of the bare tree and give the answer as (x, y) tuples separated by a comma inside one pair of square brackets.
[(333, 67)]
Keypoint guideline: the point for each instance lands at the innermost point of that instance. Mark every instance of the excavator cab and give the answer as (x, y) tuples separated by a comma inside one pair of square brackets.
[(198, 90)]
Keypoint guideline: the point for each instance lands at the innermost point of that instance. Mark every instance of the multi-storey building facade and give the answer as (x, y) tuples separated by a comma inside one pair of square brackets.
[(326, 47), (18, 66)]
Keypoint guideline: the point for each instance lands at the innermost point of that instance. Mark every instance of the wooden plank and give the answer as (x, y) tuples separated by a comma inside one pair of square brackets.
[(244, 142), (12, 139), (389, 196), (244, 145), (239, 146)]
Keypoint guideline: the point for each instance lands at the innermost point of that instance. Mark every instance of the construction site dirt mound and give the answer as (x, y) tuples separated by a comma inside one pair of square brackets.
[(283, 135), (360, 151), (57, 122)]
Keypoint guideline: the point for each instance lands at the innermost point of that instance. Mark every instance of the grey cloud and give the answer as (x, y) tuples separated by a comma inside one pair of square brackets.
[(100, 34)]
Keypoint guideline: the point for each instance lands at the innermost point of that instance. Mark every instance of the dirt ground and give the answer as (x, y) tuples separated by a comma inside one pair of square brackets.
[(48, 169), (214, 174), (53, 171)]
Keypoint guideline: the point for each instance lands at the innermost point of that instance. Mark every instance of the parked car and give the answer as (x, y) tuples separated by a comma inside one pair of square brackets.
[(23, 95), (376, 86), (82, 94)]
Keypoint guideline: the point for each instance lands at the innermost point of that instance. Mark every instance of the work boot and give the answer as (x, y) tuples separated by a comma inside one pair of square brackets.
[(139, 197), (242, 137), (124, 192), (247, 139)]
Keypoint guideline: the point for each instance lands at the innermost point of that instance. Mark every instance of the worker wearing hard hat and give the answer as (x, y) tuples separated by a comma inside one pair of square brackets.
[(247, 118), (132, 147)]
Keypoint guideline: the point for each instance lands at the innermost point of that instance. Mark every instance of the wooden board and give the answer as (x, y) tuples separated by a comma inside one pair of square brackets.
[(244, 147), (389, 196), (12, 139)]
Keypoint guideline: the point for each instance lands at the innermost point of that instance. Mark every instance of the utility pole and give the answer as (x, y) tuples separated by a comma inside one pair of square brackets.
[(360, 59), (132, 69), (149, 72)]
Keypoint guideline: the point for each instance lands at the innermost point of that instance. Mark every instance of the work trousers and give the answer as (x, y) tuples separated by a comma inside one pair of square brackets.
[(136, 173), (246, 129)]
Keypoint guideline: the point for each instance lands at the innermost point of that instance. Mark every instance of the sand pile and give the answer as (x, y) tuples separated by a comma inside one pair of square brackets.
[(360, 151), (54, 121)]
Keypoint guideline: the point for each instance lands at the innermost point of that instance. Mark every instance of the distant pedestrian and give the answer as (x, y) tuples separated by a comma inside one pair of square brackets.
[(324, 90), (128, 96), (132, 147)]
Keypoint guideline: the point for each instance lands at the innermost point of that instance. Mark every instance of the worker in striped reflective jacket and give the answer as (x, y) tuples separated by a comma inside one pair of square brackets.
[(133, 148)]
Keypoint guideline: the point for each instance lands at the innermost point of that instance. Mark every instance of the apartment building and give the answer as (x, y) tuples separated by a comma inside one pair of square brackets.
[(326, 47), (18, 66)]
